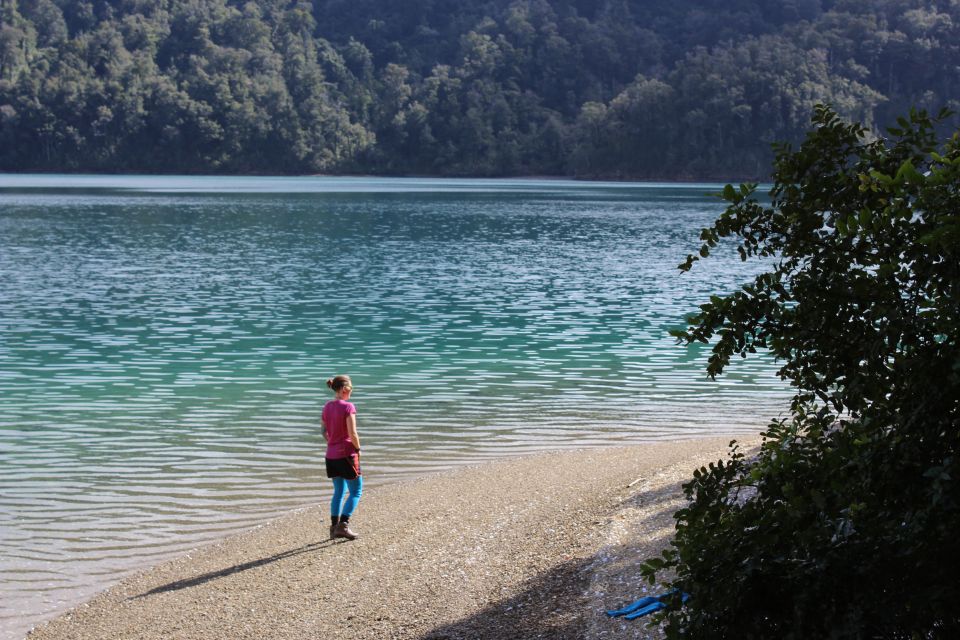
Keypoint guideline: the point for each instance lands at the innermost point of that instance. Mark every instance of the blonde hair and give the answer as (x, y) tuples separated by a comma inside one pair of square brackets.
[(339, 382)]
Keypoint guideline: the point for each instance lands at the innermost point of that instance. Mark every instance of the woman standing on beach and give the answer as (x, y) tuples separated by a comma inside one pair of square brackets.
[(343, 456)]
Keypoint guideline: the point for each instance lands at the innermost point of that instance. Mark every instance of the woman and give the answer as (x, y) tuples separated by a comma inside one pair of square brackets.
[(343, 456)]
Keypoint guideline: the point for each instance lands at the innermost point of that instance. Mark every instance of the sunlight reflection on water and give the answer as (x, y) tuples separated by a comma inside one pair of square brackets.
[(164, 341)]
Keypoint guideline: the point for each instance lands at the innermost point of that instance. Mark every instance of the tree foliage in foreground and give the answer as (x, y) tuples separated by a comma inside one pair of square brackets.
[(845, 523)]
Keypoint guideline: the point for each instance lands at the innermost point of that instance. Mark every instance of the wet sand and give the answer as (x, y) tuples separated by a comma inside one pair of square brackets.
[(537, 546)]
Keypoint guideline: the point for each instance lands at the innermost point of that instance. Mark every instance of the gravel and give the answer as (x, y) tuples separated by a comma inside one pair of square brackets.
[(530, 547)]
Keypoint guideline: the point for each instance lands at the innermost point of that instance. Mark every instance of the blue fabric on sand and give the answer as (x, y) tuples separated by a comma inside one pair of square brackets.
[(642, 611), (344, 507), (630, 608), (645, 605)]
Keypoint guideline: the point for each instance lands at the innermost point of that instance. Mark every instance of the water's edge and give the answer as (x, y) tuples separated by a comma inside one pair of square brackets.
[(164, 342)]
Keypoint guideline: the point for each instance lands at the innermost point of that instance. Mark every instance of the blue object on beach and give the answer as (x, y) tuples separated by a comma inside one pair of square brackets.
[(630, 608), (642, 611), (645, 605)]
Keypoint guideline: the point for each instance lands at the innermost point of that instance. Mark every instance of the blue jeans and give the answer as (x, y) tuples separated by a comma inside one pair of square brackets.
[(339, 506)]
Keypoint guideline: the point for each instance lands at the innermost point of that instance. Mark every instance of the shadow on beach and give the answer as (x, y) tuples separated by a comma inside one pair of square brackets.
[(222, 573), (569, 601), (550, 605)]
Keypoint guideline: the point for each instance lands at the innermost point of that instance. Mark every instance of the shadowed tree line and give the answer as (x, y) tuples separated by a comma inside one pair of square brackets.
[(608, 88)]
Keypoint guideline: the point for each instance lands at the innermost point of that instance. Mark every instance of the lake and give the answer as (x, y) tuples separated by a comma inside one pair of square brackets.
[(164, 343)]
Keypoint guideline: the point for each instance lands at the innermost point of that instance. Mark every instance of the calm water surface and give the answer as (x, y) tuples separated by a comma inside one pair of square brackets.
[(164, 341)]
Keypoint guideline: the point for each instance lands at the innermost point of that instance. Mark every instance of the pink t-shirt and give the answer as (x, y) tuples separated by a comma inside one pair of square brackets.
[(334, 417)]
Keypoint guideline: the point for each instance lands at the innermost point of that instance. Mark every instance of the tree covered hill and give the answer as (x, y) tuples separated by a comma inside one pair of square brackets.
[(593, 88)]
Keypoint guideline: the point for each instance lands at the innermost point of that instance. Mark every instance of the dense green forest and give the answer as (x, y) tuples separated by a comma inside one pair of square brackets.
[(591, 88)]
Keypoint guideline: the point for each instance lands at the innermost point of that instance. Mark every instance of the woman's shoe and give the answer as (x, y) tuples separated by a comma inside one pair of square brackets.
[(342, 530)]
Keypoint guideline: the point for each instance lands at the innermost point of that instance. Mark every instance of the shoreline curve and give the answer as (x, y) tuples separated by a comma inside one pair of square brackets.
[(537, 545)]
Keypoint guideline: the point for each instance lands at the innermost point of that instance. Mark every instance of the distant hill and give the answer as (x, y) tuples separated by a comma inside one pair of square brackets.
[(591, 88)]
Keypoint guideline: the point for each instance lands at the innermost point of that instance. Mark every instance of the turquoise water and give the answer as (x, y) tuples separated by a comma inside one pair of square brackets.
[(164, 342)]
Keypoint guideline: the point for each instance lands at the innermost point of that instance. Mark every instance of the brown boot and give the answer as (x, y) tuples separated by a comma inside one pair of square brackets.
[(342, 530), (333, 527)]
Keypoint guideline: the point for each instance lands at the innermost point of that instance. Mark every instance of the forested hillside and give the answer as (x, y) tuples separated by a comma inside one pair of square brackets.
[(592, 88)]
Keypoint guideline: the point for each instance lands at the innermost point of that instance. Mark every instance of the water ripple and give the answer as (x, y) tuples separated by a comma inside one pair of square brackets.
[(164, 341)]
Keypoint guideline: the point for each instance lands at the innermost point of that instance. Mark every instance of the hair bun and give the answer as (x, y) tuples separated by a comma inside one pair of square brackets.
[(330, 382)]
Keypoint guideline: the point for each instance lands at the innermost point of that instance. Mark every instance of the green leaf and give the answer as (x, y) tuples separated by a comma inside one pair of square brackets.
[(882, 178), (908, 172), (841, 225)]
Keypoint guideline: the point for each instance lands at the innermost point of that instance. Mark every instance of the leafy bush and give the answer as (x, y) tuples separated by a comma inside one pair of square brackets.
[(846, 523)]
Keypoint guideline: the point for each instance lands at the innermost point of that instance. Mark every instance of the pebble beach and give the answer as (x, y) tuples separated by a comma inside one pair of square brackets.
[(530, 547)]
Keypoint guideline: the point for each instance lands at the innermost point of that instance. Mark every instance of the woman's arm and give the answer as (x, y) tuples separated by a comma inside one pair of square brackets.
[(352, 431), (323, 431)]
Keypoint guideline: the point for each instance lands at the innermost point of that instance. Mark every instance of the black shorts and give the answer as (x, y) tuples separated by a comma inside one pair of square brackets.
[(348, 468)]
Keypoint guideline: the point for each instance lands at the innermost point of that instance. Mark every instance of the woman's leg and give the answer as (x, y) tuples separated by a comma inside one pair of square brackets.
[(336, 502), (356, 490)]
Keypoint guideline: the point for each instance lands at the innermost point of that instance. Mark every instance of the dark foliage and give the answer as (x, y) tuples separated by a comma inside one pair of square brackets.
[(607, 88), (844, 525)]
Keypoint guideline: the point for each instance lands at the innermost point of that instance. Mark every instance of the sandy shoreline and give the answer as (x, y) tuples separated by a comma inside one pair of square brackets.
[(537, 546)]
